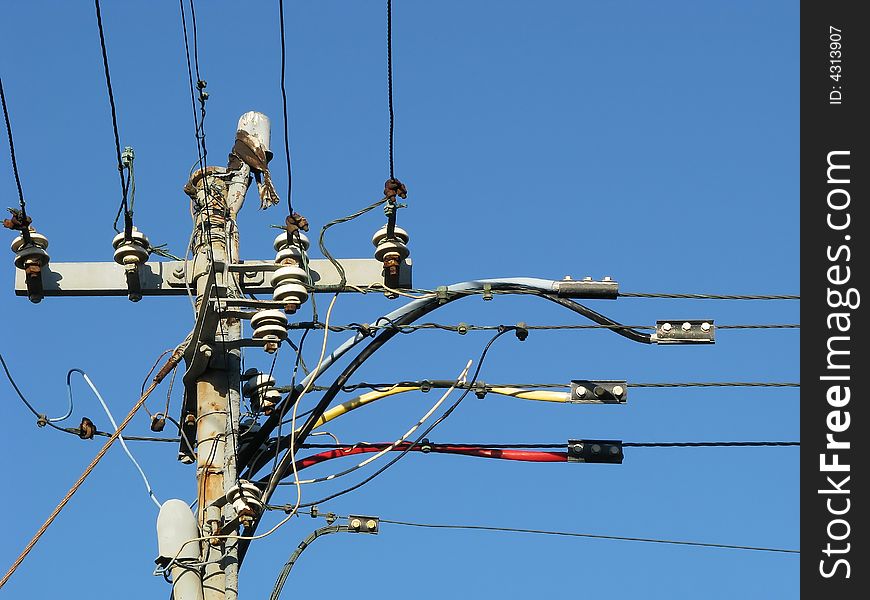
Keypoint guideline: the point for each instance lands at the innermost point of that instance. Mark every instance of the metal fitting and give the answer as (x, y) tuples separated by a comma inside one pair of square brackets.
[(31, 258)]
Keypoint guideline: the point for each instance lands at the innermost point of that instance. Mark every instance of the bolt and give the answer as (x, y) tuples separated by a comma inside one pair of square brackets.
[(596, 448), (607, 278), (190, 419), (618, 391), (666, 327), (587, 279), (206, 350), (687, 326), (580, 392), (705, 326), (578, 448), (614, 450), (599, 391), (291, 307), (391, 264), (271, 347), (178, 273), (246, 520), (371, 524), (355, 524), (462, 328), (250, 274), (566, 278)]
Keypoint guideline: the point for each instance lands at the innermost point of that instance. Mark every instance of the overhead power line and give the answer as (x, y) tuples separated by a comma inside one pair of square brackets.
[(426, 447), (589, 535), (711, 296), (21, 202), (128, 216)]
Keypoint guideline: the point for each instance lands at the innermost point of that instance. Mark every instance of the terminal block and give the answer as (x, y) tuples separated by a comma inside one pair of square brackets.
[(690, 331), (595, 451)]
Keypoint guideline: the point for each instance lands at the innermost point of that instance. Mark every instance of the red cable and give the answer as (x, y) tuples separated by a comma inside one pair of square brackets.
[(503, 454)]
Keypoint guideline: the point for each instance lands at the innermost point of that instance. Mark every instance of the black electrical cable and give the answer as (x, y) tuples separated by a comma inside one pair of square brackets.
[(426, 432), (390, 83), (596, 317), (128, 216), (284, 108), (427, 306), (288, 566), (25, 231), (590, 535), (711, 296)]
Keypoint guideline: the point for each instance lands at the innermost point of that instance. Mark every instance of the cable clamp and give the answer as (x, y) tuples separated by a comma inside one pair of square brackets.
[(480, 390), (363, 524), (441, 294), (487, 291), (522, 331)]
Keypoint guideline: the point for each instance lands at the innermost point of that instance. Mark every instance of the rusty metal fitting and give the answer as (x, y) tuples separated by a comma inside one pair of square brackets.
[(393, 187), (392, 262)]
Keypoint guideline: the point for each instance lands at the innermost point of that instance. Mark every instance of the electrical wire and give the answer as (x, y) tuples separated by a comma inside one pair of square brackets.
[(711, 296), (322, 245), (288, 566), (389, 447), (128, 215), (589, 535), (21, 202), (284, 113), (463, 328), (390, 84), (426, 432), (163, 372), (114, 424)]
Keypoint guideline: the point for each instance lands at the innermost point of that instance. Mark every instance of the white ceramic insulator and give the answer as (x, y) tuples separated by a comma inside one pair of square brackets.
[(288, 274), (255, 384), (270, 332), (280, 242), (269, 316), (293, 253), (381, 234), (290, 292), (37, 239), (392, 247)]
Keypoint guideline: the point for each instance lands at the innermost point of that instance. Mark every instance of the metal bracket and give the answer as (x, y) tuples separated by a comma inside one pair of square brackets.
[(692, 331), (584, 391), (606, 289), (363, 524), (595, 451), (166, 278)]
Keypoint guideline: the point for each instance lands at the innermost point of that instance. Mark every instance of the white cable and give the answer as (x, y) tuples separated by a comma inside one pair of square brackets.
[(114, 424), (459, 380)]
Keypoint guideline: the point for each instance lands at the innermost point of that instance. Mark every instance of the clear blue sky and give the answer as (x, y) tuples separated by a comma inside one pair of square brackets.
[(653, 142)]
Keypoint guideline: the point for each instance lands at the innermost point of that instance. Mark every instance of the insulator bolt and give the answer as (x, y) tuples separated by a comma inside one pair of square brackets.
[(580, 392), (667, 327), (705, 326), (687, 326), (618, 391), (355, 524), (371, 524)]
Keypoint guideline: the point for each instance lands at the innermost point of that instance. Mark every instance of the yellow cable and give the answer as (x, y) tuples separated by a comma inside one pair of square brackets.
[(368, 398)]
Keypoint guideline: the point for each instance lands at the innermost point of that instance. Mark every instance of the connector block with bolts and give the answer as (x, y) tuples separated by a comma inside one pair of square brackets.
[(260, 389), (692, 331), (584, 391), (131, 254), (391, 251), (270, 325), (290, 278), (363, 524), (595, 451), (31, 257)]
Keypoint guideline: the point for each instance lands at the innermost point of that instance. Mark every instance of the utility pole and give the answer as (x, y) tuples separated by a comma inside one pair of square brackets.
[(219, 279)]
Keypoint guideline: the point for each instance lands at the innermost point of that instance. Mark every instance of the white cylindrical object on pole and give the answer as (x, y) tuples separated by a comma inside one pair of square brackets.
[(176, 526), (259, 127)]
